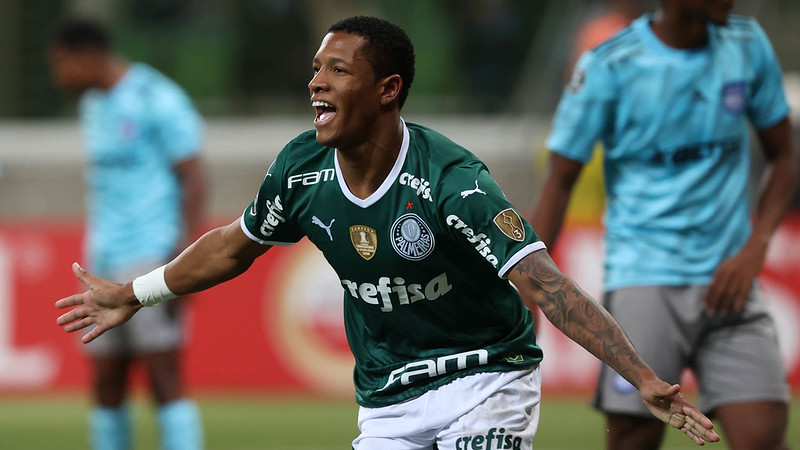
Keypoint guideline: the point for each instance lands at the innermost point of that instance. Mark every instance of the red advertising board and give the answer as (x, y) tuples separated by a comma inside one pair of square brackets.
[(278, 327)]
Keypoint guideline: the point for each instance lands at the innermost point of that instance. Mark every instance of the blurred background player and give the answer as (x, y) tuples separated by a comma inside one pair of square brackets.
[(145, 197), (588, 195), (670, 98)]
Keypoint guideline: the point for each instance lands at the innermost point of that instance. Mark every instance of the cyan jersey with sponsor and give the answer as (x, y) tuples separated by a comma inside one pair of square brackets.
[(422, 261), (134, 134), (674, 127)]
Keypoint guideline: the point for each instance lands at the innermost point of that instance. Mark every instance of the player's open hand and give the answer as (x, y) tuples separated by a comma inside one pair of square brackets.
[(104, 304), (669, 406)]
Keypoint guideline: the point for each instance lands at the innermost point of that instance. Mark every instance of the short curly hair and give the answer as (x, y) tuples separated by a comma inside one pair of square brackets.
[(81, 34), (388, 48)]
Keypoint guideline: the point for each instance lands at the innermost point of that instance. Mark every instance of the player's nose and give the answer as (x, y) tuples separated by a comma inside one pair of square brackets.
[(317, 83)]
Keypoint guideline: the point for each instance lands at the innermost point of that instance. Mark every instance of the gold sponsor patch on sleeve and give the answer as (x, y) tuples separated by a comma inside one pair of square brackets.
[(510, 224)]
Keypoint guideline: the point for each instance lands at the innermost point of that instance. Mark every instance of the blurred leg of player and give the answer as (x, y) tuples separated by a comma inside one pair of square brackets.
[(735, 359), (155, 338), (178, 418), (109, 421), (742, 378), (754, 425)]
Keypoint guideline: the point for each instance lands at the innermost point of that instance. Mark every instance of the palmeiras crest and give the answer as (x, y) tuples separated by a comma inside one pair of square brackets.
[(411, 237)]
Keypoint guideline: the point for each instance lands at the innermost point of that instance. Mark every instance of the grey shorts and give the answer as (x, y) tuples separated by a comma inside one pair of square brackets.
[(735, 358), (150, 330)]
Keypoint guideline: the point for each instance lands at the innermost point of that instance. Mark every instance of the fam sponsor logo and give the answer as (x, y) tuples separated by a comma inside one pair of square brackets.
[(421, 185), (307, 179), (411, 237), (395, 288), (493, 439), (273, 218), (480, 240), (431, 368)]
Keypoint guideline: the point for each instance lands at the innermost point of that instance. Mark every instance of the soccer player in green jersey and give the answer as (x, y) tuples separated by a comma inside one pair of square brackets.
[(425, 244)]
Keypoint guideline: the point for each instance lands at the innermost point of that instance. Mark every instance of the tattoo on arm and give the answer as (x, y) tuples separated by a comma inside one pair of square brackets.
[(580, 317)]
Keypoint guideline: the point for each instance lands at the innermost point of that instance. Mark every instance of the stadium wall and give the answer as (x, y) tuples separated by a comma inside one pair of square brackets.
[(41, 162)]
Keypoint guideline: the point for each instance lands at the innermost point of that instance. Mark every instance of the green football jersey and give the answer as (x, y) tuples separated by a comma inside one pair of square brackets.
[(422, 261)]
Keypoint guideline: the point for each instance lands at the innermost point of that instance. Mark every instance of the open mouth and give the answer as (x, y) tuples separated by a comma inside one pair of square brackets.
[(325, 112)]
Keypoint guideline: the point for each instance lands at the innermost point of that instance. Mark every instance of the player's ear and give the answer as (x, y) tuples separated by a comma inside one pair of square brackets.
[(390, 88)]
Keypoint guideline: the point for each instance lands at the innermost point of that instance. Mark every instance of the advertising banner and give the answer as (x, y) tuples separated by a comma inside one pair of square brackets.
[(279, 326)]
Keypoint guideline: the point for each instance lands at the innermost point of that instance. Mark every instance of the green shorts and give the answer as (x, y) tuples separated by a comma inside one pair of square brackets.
[(734, 358)]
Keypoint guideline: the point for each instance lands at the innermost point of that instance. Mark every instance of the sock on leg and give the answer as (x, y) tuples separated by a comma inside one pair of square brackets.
[(180, 425), (110, 428)]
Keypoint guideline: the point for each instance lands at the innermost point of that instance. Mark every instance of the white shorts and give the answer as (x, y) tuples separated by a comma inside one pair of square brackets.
[(492, 410)]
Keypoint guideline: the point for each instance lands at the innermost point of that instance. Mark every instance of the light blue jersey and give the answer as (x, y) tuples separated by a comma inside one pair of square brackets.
[(673, 124), (135, 133)]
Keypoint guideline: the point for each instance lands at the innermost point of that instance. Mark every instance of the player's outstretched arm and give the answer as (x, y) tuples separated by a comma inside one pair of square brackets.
[(586, 322), (218, 256)]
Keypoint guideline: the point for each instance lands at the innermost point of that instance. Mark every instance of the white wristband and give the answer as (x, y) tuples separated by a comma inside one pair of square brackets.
[(151, 289)]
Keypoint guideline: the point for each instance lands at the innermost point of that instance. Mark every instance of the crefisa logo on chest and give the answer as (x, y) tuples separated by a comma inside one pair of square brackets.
[(411, 237)]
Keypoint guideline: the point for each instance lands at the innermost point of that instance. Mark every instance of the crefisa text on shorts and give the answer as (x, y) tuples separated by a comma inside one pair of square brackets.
[(493, 439)]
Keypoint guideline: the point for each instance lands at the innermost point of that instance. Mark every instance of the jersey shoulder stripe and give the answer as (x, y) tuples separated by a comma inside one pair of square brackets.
[(443, 152), (304, 139), (303, 148), (739, 21), (739, 28), (622, 43)]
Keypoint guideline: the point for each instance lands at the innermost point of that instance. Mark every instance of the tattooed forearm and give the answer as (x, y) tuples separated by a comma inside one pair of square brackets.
[(578, 316)]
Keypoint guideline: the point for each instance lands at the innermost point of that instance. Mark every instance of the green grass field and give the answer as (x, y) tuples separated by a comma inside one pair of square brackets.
[(239, 422)]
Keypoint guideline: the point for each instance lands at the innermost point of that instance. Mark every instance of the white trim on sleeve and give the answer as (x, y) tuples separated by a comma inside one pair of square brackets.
[(517, 257)]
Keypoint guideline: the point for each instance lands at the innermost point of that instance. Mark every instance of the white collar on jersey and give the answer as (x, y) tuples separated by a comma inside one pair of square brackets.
[(387, 183)]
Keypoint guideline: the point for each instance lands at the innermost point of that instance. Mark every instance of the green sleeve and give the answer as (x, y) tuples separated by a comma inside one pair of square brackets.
[(478, 215)]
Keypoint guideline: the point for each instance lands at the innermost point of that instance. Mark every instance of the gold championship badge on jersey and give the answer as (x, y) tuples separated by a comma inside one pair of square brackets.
[(510, 224), (365, 240)]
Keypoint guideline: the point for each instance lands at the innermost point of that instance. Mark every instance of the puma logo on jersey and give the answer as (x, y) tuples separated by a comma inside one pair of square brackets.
[(421, 185), (430, 368), (468, 192), (480, 240), (389, 289), (273, 218), (315, 220)]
